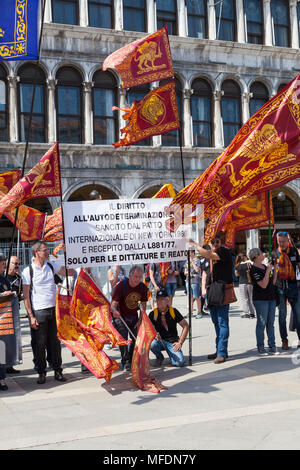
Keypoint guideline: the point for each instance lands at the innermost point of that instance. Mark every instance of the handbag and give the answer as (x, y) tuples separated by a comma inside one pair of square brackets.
[(229, 294), (216, 293)]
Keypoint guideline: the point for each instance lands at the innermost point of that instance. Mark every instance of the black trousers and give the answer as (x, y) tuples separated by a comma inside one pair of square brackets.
[(45, 338), (126, 351)]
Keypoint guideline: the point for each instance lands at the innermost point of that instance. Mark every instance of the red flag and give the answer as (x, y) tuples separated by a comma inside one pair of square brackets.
[(79, 341), (43, 180), (264, 154), (154, 115), (53, 227), (253, 213), (140, 367), (8, 180), (143, 61)]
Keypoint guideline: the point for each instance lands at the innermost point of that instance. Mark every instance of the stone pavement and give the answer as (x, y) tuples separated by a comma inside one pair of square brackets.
[(250, 402)]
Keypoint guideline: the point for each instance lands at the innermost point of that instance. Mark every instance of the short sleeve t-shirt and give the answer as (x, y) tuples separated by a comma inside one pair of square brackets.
[(223, 268), (43, 293), (129, 297), (257, 274), (195, 276), (242, 271), (171, 334)]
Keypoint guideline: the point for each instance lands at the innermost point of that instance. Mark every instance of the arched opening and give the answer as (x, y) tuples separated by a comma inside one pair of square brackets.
[(84, 193)]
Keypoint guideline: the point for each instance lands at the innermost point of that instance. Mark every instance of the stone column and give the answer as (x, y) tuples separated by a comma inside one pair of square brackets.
[(218, 130), (13, 108), (212, 29), (83, 13), (268, 23), (211, 13), (245, 106), (241, 33), (118, 4), (187, 124), (182, 18), (88, 112), (294, 24), (122, 95), (151, 16), (48, 12), (52, 135), (252, 240)]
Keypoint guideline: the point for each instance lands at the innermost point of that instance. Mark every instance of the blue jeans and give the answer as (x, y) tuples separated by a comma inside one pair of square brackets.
[(295, 306), (265, 311), (176, 357), (220, 318), (195, 290), (2, 373), (171, 288)]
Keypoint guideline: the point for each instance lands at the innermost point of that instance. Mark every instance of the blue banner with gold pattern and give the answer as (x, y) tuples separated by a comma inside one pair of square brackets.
[(19, 29)]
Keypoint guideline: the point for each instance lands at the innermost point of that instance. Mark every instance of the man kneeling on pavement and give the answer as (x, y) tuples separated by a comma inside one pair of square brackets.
[(164, 319)]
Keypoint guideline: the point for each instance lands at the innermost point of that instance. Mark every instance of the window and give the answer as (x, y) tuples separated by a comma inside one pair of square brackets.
[(3, 106), (254, 16), (167, 15), (259, 98), (105, 97), (30, 76), (101, 13), (283, 208), (231, 110), (138, 93), (281, 22), (196, 11), (69, 107), (172, 138), (225, 19), (201, 103), (134, 15), (65, 11)]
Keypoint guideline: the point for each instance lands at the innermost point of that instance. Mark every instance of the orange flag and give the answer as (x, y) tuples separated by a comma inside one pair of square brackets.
[(53, 227), (264, 154), (140, 367), (143, 61), (91, 311), (79, 341), (43, 180), (253, 213), (8, 180), (153, 115)]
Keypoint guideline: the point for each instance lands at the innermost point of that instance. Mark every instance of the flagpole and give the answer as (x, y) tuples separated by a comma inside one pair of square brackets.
[(188, 253), (27, 135)]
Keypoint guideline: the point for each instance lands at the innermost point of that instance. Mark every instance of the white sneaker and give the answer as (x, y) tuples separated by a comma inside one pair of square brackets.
[(273, 352)]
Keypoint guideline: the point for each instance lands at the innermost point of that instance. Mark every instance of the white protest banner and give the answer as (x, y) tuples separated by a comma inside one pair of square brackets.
[(121, 232)]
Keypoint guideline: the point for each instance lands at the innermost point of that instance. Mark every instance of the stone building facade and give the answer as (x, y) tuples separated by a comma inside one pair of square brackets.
[(228, 60)]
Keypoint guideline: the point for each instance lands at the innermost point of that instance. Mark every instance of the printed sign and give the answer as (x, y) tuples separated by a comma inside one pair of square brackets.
[(121, 232)]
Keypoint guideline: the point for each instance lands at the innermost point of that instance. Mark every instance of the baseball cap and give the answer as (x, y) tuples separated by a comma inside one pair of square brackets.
[(162, 293)]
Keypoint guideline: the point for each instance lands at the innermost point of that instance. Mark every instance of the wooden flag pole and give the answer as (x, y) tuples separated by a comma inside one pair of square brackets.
[(188, 255), (27, 137)]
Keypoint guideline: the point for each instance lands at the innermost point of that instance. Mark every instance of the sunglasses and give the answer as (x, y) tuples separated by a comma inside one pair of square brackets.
[(216, 242)]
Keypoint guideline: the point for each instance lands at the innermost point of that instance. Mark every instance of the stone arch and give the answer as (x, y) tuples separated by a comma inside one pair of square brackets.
[(148, 190), (81, 191)]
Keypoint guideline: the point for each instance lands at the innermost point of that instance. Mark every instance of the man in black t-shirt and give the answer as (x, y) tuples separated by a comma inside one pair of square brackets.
[(222, 270), (287, 284), (165, 319)]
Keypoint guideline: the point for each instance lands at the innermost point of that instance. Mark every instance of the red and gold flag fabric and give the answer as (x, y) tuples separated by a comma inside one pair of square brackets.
[(252, 213), (6, 319), (79, 341), (143, 61), (53, 227), (30, 222), (43, 180), (57, 249), (8, 180), (153, 115), (166, 191), (164, 268), (140, 366), (264, 154)]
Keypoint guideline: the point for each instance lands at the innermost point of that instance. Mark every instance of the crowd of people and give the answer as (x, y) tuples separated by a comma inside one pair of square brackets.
[(264, 284)]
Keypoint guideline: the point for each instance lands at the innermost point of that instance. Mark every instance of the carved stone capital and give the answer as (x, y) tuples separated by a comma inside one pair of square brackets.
[(218, 95), (187, 93), (51, 83), (246, 96), (88, 86), (13, 81)]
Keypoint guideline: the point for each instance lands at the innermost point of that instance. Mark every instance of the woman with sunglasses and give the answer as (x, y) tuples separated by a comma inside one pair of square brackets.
[(264, 299)]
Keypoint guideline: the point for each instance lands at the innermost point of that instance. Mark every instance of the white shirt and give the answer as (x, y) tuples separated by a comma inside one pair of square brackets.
[(43, 285)]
